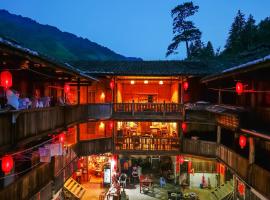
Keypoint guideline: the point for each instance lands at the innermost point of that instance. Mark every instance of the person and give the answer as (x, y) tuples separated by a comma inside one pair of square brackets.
[(123, 180), (162, 182), (13, 98), (135, 174)]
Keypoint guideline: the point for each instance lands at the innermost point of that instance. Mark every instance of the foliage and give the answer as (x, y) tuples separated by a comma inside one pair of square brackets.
[(183, 29)]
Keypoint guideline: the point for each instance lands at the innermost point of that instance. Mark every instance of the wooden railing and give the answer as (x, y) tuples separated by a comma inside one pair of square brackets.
[(96, 146), (199, 147), (100, 111), (152, 108), (235, 161), (146, 143), (27, 185), (260, 179)]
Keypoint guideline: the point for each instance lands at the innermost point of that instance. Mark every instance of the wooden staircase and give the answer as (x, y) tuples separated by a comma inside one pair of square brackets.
[(223, 192), (73, 190)]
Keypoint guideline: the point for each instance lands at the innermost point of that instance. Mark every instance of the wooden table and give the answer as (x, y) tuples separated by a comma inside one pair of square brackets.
[(145, 182)]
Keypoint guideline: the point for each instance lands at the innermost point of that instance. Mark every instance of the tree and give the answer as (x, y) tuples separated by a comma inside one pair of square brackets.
[(183, 30), (195, 49), (234, 40), (208, 51), (263, 31), (249, 34)]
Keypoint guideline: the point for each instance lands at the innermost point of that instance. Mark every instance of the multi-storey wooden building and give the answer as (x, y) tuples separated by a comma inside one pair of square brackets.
[(141, 107)]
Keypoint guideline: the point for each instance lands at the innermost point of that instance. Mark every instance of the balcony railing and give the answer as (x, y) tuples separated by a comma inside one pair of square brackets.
[(27, 185), (235, 161), (95, 146), (100, 111), (140, 143), (199, 147)]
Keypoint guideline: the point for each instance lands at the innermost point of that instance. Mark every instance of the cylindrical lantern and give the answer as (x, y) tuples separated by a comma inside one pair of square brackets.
[(184, 127), (66, 88), (239, 88), (181, 159), (185, 85), (6, 79), (111, 125), (7, 163), (242, 141), (112, 84)]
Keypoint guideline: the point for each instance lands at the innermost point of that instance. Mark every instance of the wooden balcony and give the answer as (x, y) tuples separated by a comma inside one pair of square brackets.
[(19, 125), (148, 111), (199, 147), (95, 146), (148, 145), (100, 111), (235, 161), (27, 185)]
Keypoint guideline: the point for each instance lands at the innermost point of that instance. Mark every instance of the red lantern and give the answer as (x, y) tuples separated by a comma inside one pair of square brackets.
[(6, 79), (181, 159), (239, 88), (7, 163), (62, 137), (66, 88), (111, 125), (242, 141), (184, 127), (112, 85), (241, 188), (185, 85)]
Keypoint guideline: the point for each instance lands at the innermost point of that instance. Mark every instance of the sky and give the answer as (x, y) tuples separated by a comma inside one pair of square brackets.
[(137, 28)]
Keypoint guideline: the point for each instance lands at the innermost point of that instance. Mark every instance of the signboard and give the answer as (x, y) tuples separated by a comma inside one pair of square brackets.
[(107, 175)]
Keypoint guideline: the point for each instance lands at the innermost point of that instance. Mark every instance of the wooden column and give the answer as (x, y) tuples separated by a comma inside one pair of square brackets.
[(253, 96), (219, 97), (78, 91), (251, 150), (182, 92), (218, 134)]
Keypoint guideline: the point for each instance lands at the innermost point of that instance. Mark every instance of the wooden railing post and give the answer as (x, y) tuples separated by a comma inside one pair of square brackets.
[(164, 108), (132, 107)]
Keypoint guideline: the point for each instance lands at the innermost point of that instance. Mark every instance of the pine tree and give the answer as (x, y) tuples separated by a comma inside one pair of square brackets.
[(183, 30), (263, 31), (249, 34), (209, 50), (196, 49), (234, 40)]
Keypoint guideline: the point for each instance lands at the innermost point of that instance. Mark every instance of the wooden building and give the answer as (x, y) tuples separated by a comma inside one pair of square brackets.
[(132, 107)]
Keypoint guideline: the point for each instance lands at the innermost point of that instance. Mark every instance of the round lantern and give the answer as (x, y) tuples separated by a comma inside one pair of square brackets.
[(242, 141), (62, 137), (185, 85), (239, 88), (7, 163), (241, 188), (112, 85), (66, 88), (184, 127), (6, 79)]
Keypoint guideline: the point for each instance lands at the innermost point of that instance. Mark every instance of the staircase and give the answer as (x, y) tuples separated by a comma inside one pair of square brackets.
[(223, 192), (73, 190)]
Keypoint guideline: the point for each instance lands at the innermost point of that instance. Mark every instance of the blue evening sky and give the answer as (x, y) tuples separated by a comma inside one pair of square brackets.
[(139, 28)]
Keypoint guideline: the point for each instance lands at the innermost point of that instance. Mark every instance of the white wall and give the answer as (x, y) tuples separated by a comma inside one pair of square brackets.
[(196, 179)]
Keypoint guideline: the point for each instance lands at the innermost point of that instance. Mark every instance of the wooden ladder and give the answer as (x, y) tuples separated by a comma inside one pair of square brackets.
[(74, 188)]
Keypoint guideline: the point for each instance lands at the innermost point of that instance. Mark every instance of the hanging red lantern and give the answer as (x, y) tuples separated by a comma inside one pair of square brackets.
[(239, 88), (112, 85), (184, 127), (66, 88), (7, 163), (6, 79), (241, 188), (111, 125), (181, 159), (242, 141), (62, 137), (185, 85)]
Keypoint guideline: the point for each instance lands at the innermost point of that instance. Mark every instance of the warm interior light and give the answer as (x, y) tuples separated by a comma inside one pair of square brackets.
[(102, 96), (146, 82), (101, 125), (132, 82), (160, 82)]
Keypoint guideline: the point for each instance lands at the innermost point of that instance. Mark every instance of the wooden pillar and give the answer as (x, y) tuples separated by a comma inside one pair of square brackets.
[(219, 97), (78, 132), (218, 134), (251, 150), (182, 92), (78, 91), (253, 96)]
